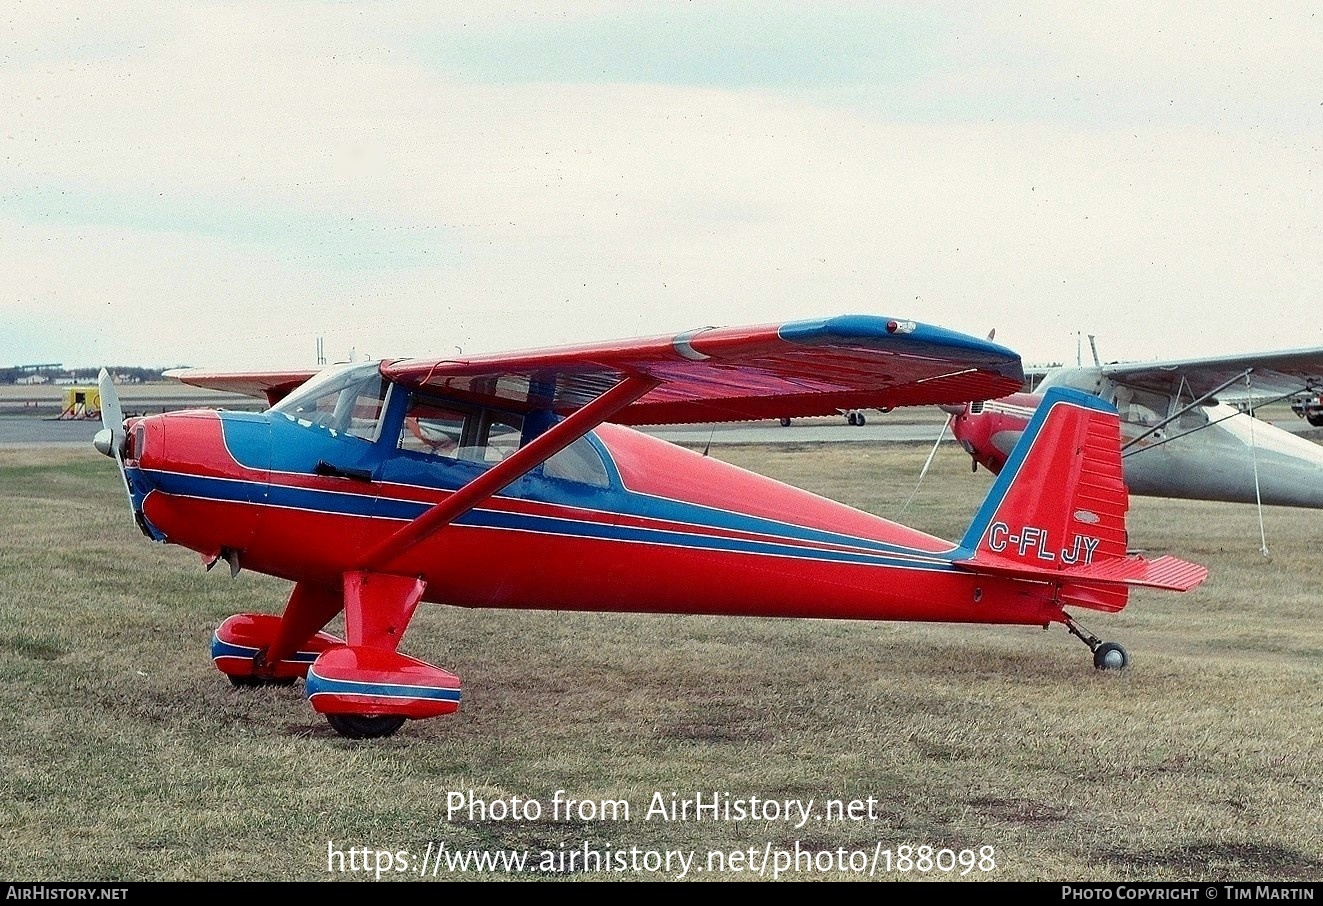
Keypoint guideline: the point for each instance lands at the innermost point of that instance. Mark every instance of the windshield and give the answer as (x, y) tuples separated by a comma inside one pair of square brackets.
[(345, 398)]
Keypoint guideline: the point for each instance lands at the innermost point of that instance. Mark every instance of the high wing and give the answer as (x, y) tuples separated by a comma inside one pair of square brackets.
[(1270, 374), (796, 369), (272, 386), (714, 374)]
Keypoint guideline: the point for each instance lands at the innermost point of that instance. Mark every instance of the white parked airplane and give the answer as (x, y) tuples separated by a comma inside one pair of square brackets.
[(1180, 436)]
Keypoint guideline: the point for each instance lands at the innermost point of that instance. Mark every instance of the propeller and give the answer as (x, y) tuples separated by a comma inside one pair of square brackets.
[(109, 441)]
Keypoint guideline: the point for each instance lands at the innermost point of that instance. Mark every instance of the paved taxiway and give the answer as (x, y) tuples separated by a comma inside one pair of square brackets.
[(21, 430), (26, 430)]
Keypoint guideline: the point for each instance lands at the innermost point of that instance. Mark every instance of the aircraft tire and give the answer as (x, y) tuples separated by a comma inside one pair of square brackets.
[(1111, 656), (253, 682), (1315, 420), (851, 418), (860, 420), (785, 423), (361, 726)]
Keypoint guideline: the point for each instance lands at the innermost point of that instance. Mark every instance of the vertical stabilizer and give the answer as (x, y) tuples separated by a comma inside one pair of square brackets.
[(1057, 510)]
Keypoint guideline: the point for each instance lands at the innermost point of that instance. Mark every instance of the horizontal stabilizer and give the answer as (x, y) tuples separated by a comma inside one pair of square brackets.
[(1173, 573), (1170, 573)]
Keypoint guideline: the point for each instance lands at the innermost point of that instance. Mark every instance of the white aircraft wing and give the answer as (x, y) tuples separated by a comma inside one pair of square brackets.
[(1270, 374)]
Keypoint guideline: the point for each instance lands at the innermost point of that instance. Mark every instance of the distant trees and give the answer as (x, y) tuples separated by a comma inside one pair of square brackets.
[(125, 374)]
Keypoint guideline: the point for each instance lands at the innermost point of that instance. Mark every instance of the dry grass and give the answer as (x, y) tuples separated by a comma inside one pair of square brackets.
[(128, 757)]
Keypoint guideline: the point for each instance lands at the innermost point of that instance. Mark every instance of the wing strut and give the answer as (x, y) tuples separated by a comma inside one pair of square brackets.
[(1254, 454), (501, 475)]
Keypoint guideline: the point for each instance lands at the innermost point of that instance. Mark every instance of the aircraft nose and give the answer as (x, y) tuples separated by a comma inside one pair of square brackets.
[(193, 489), (967, 428), (140, 435)]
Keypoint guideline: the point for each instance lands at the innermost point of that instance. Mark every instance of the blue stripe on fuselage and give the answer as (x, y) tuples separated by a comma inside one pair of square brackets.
[(362, 505), (247, 438), (295, 448)]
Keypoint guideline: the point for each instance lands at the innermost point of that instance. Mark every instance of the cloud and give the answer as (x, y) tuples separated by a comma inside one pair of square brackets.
[(220, 184)]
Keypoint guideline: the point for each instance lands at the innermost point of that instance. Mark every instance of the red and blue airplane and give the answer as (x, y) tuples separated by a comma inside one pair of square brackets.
[(513, 480)]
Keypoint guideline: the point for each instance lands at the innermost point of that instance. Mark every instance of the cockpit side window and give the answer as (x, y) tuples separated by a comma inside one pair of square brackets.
[(446, 429), (504, 431), (1140, 407), (364, 405), (1193, 420), (433, 428)]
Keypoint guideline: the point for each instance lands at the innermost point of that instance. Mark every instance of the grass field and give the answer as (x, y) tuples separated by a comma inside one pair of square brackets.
[(126, 756)]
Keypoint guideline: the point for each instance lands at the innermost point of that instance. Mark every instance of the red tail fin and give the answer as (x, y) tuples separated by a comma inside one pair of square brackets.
[(1057, 510)]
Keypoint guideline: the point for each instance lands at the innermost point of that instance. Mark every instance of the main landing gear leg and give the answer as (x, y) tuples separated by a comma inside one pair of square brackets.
[(377, 611), (309, 609), (1106, 655)]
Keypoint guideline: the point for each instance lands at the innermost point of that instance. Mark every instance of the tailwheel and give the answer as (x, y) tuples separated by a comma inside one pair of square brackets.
[(1106, 655), (1111, 656), (363, 726)]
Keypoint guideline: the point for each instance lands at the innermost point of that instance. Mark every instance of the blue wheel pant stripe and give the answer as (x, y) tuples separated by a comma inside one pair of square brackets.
[(320, 685)]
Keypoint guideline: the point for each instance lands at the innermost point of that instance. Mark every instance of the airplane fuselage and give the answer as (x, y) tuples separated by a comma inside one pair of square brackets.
[(652, 528), (372, 497)]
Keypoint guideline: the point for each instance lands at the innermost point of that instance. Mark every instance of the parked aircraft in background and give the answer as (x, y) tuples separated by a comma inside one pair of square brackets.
[(496, 481), (854, 417), (1309, 406), (1180, 435)]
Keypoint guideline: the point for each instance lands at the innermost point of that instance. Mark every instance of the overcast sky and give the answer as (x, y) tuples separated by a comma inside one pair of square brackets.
[(220, 184)]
